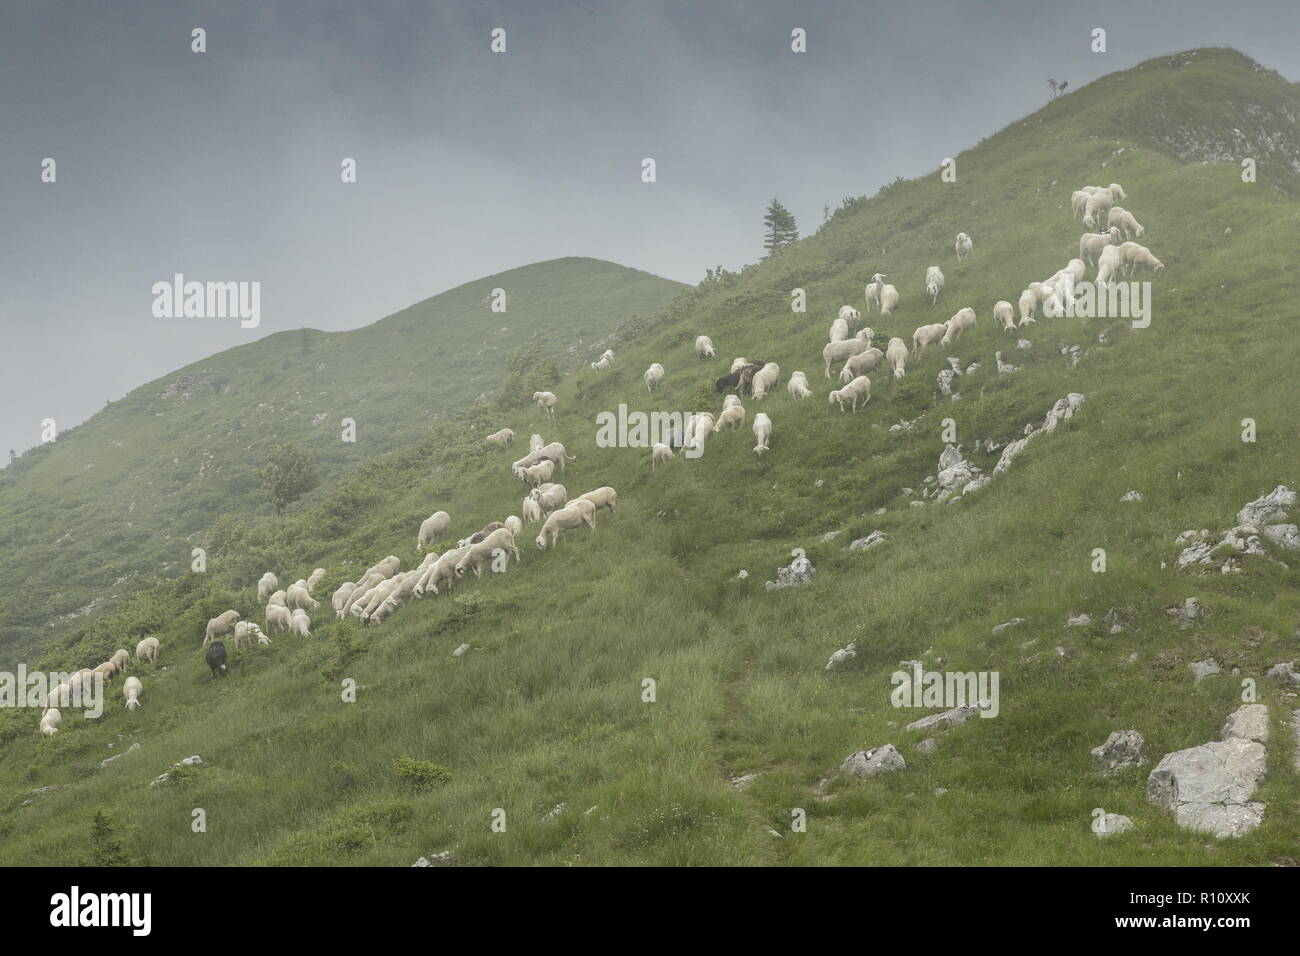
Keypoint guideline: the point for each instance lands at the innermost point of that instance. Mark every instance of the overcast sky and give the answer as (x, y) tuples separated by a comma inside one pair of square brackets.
[(225, 165)]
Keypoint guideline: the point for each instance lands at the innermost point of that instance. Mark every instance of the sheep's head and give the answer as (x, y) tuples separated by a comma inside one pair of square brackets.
[(541, 542)]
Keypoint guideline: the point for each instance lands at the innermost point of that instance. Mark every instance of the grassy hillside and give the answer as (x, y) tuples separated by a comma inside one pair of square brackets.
[(546, 706), (118, 500)]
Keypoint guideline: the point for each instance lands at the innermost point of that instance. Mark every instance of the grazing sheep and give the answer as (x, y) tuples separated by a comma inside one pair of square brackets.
[(531, 511), (280, 597), (746, 383), (482, 533), (1109, 264), (247, 633), (1123, 219), (220, 625), (1079, 202), (840, 351), (964, 246), (1117, 192), (839, 330), (550, 498), (872, 292), (1076, 270), (733, 416), (540, 472), (603, 497), (216, 659), (933, 283), (536, 442), (766, 378), (850, 315), (602, 364), (106, 670), (659, 454), (502, 437), (387, 567), (340, 597), (798, 386), (964, 319), (554, 452), (1091, 244), (266, 586), (860, 364), (432, 528), (480, 553), (545, 401), (147, 650), (703, 428), (730, 401), (300, 597), (120, 659), (1028, 306), (314, 579), (1098, 203), (50, 721), (279, 618), (1132, 255), (888, 299), (925, 336), (858, 390), (653, 376), (131, 692), (300, 623), (58, 696), (737, 364), (762, 433), (896, 354), (1004, 315), (573, 515), (514, 523), (442, 572), (704, 347)]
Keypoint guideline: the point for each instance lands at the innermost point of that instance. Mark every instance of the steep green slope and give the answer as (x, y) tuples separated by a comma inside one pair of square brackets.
[(546, 707), (117, 500)]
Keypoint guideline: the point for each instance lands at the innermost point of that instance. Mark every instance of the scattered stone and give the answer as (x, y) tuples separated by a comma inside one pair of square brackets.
[(880, 511), (945, 380), (1123, 748), (460, 650), (555, 812), (927, 746), (742, 574), (872, 763), (1008, 625), (108, 760), (820, 482), (1209, 787), (870, 541), (1113, 621), (940, 791), (1249, 722), (1269, 508), (1073, 353), (1078, 619), (1284, 673), (1185, 614), (1005, 368), (799, 571), (830, 536), (439, 859), (1206, 668), (842, 655), (1285, 535), (1109, 824), (946, 720), (1132, 496), (917, 504), (742, 781)]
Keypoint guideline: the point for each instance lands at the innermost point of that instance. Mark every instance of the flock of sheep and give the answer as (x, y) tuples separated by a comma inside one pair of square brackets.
[(80, 686), (384, 587)]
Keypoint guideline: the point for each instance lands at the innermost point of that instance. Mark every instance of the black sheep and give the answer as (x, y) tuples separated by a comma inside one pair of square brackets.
[(216, 658)]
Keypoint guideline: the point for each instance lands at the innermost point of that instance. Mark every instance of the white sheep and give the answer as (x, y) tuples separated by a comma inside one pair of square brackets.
[(514, 523), (603, 497), (501, 437), (387, 567), (1028, 307), (147, 650), (888, 299), (300, 597), (545, 401), (860, 364), (279, 597), (541, 472), (602, 364), (850, 315), (50, 721), (279, 618), (964, 246), (246, 634), (704, 347), (1117, 192), (858, 390), (925, 336), (933, 283), (1133, 254), (131, 691), (536, 442), (481, 553), (1098, 203), (765, 379), (300, 623), (531, 511), (872, 292), (266, 586), (762, 433), (840, 351), (1079, 202), (738, 363), (896, 354), (550, 497), (730, 400), (798, 386), (442, 572), (1076, 269), (1109, 264), (839, 330), (1123, 219), (702, 428), (432, 528), (220, 625), (963, 319), (659, 454), (653, 376), (733, 416), (340, 598), (1091, 244), (573, 515), (1004, 315), (121, 658)]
